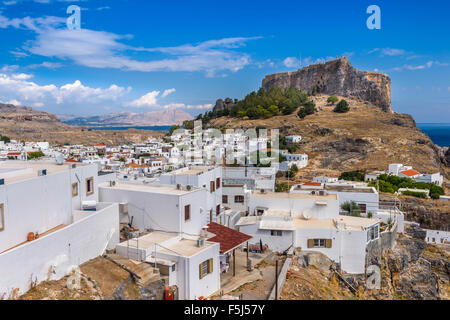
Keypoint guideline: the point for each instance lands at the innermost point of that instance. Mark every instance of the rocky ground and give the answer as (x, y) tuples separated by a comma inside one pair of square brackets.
[(100, 279), (429, 213), (413, 270)]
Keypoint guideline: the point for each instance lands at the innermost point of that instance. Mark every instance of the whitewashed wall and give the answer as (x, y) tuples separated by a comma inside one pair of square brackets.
[(53, 256), (42, 203), (275, 243), (163, 212)]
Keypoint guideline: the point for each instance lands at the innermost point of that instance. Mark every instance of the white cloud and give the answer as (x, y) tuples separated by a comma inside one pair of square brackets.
[(98, 49), (291, 62), (167, 92), (424, 66), (49, 65), (22, 76), (388, 51), (39, 24), (392, 52), (13, 102), (18, 87), (147, 100)]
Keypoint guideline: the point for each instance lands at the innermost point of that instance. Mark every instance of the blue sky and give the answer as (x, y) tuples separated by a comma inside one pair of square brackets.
[(148, 55)]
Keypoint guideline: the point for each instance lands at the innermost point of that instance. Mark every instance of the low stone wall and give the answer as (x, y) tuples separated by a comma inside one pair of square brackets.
[(281, 278)]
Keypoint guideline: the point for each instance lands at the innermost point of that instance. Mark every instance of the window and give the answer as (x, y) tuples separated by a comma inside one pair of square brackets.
[(277, 233), (187, 212), (212, 186), (2, 217), (217, 183), (319, 243), (224, 199), (74, 189), (218, 209), (205, 268), (238, 199), (373, 233), (89, 186), (362, 207)]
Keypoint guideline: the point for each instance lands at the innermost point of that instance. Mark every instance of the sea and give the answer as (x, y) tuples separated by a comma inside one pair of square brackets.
[(154, 128), (439, 133)]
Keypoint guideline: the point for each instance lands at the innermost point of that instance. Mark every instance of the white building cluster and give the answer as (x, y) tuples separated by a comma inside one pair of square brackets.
[(188, 213)]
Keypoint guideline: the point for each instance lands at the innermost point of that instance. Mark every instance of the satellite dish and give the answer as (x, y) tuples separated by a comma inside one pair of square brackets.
[(307, 214)]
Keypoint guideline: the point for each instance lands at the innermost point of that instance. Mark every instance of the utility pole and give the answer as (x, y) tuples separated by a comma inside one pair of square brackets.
[(276, 279)]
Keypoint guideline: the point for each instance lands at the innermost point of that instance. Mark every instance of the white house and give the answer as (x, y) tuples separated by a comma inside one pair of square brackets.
[(193, 265), (396, 168), (208, 178), (324, 179), (159, 207), (44, 231), (293, 139), (437, 236), (311, 222), (435, 178)]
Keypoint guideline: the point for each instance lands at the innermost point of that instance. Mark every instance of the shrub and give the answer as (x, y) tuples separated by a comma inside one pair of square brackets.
[(332, 99), (352, 208), (35, 155), (308, 108), (5, 139), (357, 175), (282, 187), (342, 107), (415, 194)]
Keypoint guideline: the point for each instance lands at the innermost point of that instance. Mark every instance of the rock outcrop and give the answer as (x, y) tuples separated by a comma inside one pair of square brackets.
[(337, 77), (223, 104)]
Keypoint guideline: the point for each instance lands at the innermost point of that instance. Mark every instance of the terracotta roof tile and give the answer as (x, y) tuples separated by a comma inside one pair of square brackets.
[(227, 237), (409, 172)]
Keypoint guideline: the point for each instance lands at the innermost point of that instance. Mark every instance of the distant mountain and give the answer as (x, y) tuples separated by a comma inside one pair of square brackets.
[(125, 119)]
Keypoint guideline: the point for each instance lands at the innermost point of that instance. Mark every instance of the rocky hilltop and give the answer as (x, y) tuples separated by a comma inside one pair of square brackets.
[(337, 77)]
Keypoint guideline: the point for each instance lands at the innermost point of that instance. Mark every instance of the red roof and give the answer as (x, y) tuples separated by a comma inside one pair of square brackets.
[(315, 184), (99, 145), (72, 160), (410, 173), (14, 153), (227, 237)]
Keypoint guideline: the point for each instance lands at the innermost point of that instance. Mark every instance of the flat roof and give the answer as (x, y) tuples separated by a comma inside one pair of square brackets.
[(150, 187), (192, 171), (149, 240), (15, 171), (351, 223), (285, 195), (184, 247)]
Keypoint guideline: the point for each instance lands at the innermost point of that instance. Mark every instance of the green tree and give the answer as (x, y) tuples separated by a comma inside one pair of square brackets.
[(342, 107), (282, 187), (332, 99)]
